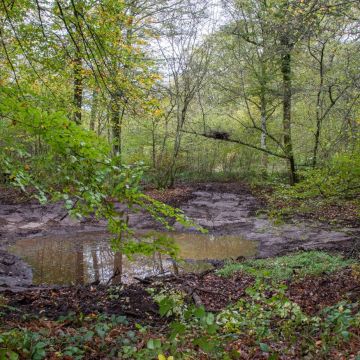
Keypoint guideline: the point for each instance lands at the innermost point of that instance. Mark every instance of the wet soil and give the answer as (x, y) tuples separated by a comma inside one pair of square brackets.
[(14, 273), (52, 303), (208, 289), (314, 293), (339, 212), (223, 209), (35, 309)]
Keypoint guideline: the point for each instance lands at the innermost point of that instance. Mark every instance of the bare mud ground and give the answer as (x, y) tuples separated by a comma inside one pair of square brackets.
[(223, 209)]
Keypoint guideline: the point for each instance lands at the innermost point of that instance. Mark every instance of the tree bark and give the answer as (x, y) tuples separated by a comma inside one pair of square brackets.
[(264, 155), (319, 115), (116, 128), (118, 268), (95, 265), (181, 118), (79, 264), (78, 88), (94, 109), (287, 98)]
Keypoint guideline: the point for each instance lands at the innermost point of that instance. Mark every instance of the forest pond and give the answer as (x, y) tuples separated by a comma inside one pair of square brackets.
[(87, 257)]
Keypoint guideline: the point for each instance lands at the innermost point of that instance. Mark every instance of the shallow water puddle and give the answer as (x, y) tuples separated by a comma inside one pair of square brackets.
[(87, 257)]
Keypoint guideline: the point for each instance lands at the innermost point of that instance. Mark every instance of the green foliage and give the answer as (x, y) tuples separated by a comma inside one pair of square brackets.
[(309, 263), (268, 316), (191, 324), (340, 178), (77, 168), (257, 317), (265, 319), (170, 302), (24, 343), (338, 319), (37, 345)]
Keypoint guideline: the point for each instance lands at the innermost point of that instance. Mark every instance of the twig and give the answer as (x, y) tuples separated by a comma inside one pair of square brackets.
[(114, 275), (197, 299)]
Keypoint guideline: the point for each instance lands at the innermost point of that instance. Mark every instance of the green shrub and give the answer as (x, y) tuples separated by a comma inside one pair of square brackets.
[(340, 179), (285, 267)]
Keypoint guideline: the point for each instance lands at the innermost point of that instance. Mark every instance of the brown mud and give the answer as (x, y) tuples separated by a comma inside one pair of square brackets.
[(212, 291), (223, 209)]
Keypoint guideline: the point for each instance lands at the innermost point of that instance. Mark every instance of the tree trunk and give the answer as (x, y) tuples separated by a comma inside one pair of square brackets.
[(153, 144), (116, 128), (319, 115), (287, 97), (79, 264), (118, 268), (95, 265), (316, 145), (181, 118), (78, 88), (94, 109), (264, 156)]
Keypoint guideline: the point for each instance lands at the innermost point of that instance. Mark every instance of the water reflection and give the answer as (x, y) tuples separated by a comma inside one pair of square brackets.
[(87, 257)]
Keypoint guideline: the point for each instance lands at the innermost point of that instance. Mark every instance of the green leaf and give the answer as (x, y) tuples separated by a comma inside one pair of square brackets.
[(264, 347), (165, 306), (177, 328), (8, 355), (153, 344), (212, 329), (205, 344), (89, 335), (210, 318), (200, 312)]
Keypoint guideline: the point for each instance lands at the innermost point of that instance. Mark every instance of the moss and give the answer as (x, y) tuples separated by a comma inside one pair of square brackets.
[(285, 267)]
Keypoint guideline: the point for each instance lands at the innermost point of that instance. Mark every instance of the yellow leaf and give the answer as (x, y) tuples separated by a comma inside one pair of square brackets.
[(161, 357)]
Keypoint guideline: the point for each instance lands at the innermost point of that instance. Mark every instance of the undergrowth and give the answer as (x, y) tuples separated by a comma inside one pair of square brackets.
[(262, 324), (329, 193), (289, 266)]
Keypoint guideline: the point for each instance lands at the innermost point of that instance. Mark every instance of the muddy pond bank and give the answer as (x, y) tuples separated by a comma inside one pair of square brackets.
[(226, 210)]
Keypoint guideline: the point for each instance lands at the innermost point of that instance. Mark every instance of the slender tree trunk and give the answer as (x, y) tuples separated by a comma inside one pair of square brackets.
[(116, 128), (95, 265), (118, 268), (264, 156), (319, 115), (94, 109), (118, 111), (78, 88), (317, 140), (181, 117), (79, 265), (153, 144), (287, 98)]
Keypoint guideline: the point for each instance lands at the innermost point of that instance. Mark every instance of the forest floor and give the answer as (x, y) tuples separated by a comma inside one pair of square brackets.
[(221, 208), (128, 321)]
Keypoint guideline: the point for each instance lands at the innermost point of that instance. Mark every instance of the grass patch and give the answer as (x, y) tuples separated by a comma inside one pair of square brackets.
[(285, 267)]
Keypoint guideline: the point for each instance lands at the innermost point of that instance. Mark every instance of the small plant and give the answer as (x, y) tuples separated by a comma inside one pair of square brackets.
[(191, 325), (268, 316), (258, 316), (285, 267), (114, 292), (338, 320), (171, 303), (22, 343)]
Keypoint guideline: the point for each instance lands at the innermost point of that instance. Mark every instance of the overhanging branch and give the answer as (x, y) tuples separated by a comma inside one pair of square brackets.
[(236, 141)]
